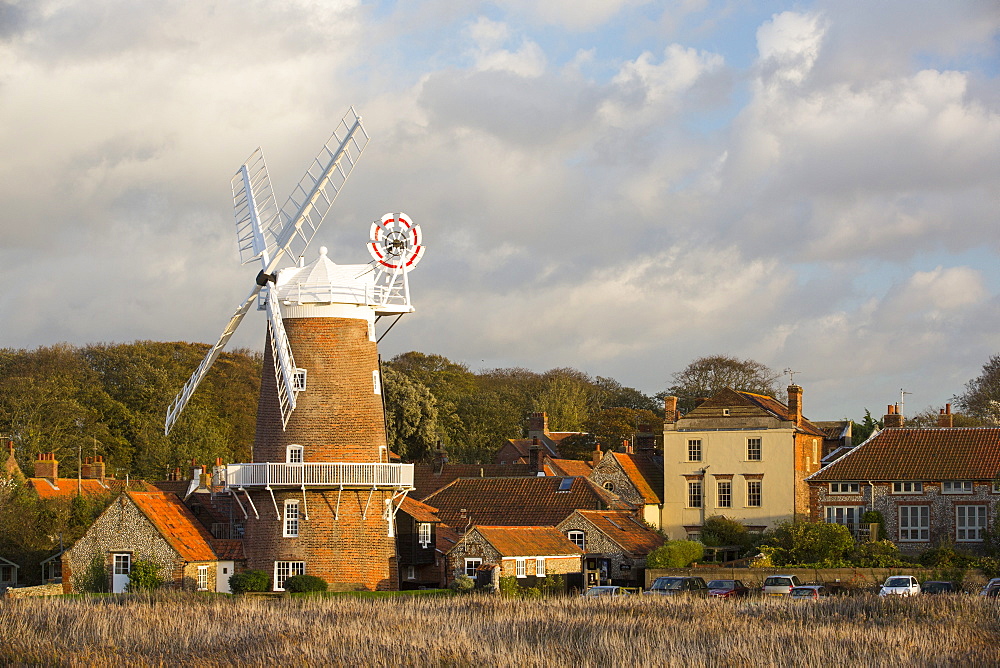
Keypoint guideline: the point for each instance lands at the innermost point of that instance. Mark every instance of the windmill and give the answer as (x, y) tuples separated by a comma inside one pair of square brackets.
[(320, 457)]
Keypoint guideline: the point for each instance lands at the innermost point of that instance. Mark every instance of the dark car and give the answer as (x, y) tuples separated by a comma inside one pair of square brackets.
[(727, 589), (679, 586), (808, 593), (939, 587)]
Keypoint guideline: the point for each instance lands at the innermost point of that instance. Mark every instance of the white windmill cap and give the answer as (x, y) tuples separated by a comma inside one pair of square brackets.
[(325, 282)]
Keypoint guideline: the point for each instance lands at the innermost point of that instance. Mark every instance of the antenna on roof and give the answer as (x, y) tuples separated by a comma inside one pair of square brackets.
[(791, 375), (902, 395)]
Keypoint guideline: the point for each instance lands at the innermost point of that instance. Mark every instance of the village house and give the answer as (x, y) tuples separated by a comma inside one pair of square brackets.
[(153, 526), (430, 477), (634, 478), (419, 563), (741, 455), (530, 554), (615, 545), (8, 574), (931, 485)]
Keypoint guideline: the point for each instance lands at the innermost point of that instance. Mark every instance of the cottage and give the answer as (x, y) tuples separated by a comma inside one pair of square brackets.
[(634, 478), (530, 554), (615, 545), (154, 526), (8, 574)]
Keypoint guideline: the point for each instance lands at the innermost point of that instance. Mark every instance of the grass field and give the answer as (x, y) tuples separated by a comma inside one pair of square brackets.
[(486, 630)]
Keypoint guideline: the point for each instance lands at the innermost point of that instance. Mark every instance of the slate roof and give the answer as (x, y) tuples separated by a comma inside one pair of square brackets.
[(952, 453), (729, 397), (419, 511), (176, 524), (426, 481), (645, 473), (624, 529), (527, 541), (533, 501), (567, 467)]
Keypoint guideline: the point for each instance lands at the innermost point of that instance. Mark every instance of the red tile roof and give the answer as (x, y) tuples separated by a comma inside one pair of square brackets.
[(527, 541), (67, 487), (445, 538), (176, 524), (920, 454), (535, 501), (624, 529), (645, 473), (426, 481), (229, 549), (567, 467), (419, 511), (780, 410)]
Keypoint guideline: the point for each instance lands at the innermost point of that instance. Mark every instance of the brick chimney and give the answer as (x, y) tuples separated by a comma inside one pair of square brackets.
[(87, 468), (670, 410), (538, 424), (892, 417), (945, 419), (627, 447), (534, 455), (795, 404), (46, 466), (99, 472), (598, 455)]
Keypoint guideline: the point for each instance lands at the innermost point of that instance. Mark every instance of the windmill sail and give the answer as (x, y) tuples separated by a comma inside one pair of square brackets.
[(284, 362), (256, 212)]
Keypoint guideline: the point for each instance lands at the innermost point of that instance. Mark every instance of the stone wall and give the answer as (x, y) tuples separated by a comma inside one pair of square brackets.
[(53, 589)]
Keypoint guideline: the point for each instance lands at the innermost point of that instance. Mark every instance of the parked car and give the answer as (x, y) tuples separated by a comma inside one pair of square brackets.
[(780, 585), (609, 590), (900, 585), (727, 589), (993, 585), (939, 587), (674, 586), (808, 593)]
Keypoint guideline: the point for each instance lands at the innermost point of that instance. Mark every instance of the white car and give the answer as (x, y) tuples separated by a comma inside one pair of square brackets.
[(900, 585)]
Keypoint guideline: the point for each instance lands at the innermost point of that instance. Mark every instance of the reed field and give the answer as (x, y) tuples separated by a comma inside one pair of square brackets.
[(474, 630)]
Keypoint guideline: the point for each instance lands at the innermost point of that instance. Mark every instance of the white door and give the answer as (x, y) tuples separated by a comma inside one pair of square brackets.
[(121, 566), (222, 578)]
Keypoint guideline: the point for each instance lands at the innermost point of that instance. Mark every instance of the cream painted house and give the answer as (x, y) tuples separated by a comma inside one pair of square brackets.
[(741, 455)]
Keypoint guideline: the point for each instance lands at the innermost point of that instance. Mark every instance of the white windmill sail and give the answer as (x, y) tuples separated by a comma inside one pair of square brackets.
[(281, 354), (261, 233)]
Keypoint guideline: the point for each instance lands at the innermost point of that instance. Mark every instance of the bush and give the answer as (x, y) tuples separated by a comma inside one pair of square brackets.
[(809, 543), (877, 554), (144, 576), (463, 583), (675, 554), (241, 583), (945, 556), (94, 579), (305, 583)]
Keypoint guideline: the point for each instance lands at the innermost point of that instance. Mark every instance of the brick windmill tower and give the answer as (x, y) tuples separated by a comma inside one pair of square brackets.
[(320, 496)]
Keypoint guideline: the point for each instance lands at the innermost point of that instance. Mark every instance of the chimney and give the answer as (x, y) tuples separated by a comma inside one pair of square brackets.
[(670, 410), (534, 455), (538, 424), (598, 455), (46, 466), (892, 417), (87, 468), (98, 469), (626, 447), (795, 404), (945, 419)]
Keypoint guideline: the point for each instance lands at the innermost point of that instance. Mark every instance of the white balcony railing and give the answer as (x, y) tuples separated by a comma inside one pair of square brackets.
[(315, 474)]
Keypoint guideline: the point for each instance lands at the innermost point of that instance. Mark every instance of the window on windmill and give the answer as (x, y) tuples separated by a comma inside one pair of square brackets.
[(294, 454), (299, 380), (291, 519), (376, 383)]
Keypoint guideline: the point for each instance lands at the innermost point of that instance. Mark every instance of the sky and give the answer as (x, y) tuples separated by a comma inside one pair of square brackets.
[(617, 186)]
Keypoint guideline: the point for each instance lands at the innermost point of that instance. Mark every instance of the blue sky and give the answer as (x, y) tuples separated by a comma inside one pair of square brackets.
[(613, 185)]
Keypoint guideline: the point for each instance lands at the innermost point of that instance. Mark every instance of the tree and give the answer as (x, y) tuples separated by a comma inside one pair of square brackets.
[(981, 398), (707, 375), (675, 554), (721, 531), (929, 418), (860, 432), (812, 543), (410, 416), (611, 426)]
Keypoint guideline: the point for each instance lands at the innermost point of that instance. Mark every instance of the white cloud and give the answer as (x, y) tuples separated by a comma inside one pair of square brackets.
[(789, 45), (490, 37)]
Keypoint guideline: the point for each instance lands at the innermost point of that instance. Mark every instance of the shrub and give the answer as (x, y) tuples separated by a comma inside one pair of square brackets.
[(463, 583), (877, 554), (144, 576), (675, 554), (241, 583), (945, 556), (305, 583), (94, 579), (813, 543)]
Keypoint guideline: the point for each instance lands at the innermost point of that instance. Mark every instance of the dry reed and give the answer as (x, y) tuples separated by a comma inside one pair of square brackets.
[(487, 630)]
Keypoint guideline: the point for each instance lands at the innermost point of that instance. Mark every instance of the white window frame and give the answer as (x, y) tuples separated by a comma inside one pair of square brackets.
[(202, 582), (694, 450), (122, 564), (521, 567), (376, 382), (844, 514), (472, 565), (724, 498), (759, 493), (411, 572), (966, 532), (424, 534), (286, 569), (695, 492), (299, 377), (908, 487), (294, 454), (755, 449), (957, 487), (578, 538), (914, 533), (290, 523), (540, 567), (845, 488)]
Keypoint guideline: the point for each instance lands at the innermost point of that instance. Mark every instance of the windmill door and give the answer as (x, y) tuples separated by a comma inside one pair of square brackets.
[(120, 568)]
